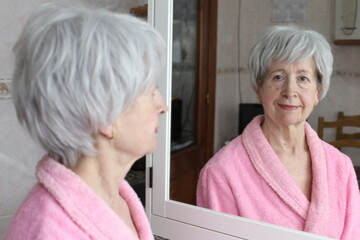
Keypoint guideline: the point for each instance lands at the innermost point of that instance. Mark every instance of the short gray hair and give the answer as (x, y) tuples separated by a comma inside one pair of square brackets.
[(77, 69), (291, 44)]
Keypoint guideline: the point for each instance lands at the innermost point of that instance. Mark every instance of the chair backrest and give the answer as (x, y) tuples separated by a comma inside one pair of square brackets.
[(339, 131), (342, 139)]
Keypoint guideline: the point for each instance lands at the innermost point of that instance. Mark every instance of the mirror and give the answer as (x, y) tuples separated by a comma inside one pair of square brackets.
[(239, 24), (173, 219)]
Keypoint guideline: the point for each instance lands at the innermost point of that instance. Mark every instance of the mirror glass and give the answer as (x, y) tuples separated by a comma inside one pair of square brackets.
[(184, 71), (239, 24)]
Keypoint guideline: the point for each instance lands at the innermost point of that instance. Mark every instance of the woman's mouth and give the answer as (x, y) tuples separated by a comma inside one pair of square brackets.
[(288, 107)]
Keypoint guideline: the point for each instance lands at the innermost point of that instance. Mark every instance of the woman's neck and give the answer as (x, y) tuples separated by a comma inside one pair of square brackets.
[(104, 173), (289, 144), (290, 139)]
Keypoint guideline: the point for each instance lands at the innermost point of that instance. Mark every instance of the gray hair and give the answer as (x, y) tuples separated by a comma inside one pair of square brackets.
[(77, 69), (291, 44)]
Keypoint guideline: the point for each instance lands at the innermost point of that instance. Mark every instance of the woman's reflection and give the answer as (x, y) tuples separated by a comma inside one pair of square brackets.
[(279, 171)]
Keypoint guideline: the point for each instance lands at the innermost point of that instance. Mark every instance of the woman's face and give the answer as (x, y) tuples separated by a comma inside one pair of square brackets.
[(289, 92), (138, 126)]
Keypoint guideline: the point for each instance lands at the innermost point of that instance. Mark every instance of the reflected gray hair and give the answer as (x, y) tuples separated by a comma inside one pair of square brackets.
[(290, 44), (77, 69)]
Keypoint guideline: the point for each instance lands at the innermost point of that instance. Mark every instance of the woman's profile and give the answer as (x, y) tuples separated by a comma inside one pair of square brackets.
[(84, 85)]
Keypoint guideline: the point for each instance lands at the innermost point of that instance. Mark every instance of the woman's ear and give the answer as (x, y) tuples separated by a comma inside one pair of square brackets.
[(258, 95), (317, 97), (316, 101), (107, 132)]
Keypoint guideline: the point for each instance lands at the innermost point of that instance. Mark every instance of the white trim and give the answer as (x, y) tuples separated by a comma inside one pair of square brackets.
[(172, 229), (230, 224)]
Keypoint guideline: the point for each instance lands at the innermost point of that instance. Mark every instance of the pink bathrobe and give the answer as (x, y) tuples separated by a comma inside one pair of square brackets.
[(246, 178), (62, 206)]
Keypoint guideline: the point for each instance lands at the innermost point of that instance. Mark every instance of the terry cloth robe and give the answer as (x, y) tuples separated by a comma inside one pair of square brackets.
[(62, 206), (246, 178)]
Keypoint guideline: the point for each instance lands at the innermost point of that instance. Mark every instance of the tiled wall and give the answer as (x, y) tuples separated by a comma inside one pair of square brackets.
[(18, 153), (248, 19)]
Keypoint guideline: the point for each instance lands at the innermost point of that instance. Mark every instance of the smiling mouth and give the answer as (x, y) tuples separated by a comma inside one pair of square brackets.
[(288, 107)]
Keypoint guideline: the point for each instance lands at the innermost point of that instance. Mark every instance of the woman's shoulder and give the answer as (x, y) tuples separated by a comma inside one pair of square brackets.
[(37, 203), (39, 217), (228, 154), (333, 153), (336, 159)]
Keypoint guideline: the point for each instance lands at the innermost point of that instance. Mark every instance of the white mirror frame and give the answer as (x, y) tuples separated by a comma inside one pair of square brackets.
[(175, 220)]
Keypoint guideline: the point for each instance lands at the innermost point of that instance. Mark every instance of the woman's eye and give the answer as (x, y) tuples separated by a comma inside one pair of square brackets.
[(304, 82), (303, 79), (155, 92), (278, 77), (152, 91)]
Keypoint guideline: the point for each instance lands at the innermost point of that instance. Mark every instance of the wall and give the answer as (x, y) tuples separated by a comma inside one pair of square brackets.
[(18, 153), (239, 24)]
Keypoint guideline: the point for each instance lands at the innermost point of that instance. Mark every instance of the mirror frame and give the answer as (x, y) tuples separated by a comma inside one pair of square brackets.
[(175, 220)]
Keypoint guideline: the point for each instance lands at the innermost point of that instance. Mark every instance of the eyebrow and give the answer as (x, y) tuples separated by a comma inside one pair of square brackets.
[(303, 71), (284, 71), (278, 70)]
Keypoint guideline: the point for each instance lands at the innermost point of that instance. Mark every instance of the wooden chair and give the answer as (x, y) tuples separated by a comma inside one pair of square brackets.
[(341, 135), (339, 131), (342, 139)]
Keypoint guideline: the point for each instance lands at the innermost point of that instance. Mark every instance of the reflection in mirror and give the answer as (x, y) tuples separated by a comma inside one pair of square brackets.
[(184, 74), (184, 95), (279, 160), (192, 96), (237, 32)]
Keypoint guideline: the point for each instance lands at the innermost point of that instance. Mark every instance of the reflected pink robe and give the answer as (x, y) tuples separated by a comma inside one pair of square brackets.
[(62, 206), (246, 178)]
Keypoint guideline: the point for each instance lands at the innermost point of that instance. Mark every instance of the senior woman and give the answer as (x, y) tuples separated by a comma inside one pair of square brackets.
[(84, 86), (279, 171)]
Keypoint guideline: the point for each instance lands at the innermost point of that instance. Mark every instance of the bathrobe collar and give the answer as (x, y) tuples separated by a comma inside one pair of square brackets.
[(269, 167), (86, 209)]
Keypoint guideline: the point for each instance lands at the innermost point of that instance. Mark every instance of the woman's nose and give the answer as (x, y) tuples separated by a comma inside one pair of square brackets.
[(163, 108), (290, 88)]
